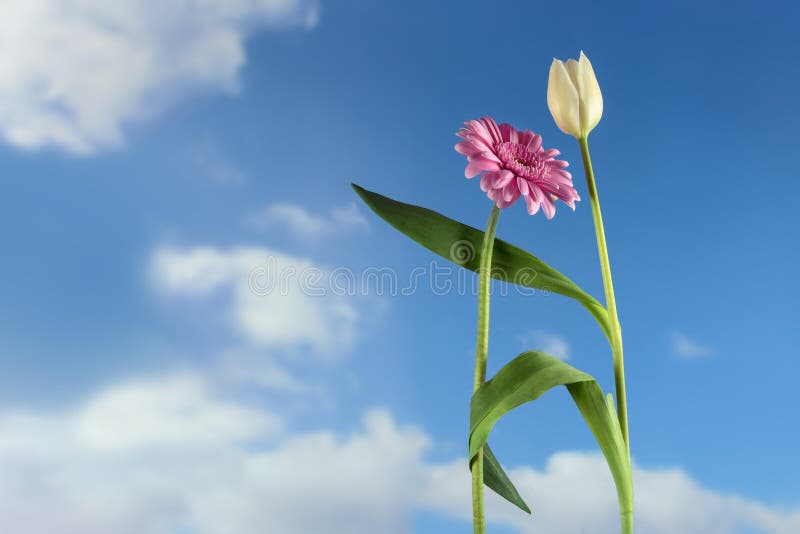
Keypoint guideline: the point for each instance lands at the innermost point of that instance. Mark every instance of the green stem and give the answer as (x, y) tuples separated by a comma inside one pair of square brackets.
[(627, 522), (605, 266), (481, 353), (611, 304)]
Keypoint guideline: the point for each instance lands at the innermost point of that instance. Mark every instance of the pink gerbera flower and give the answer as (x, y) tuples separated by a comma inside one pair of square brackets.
[(515, 164)]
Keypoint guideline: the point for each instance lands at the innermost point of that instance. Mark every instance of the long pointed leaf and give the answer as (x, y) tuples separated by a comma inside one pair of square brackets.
[(495, 478), (525, 379), (450, 239)]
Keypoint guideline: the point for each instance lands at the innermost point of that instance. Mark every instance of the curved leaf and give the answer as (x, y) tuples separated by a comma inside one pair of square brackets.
[(525, 379), (495, 478), (461, 244)]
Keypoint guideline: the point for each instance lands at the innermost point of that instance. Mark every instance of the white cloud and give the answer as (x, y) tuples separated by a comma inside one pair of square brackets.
[(168, 413), (123, 460), (547, 342), (685, 347), (221, 468), (73, 74), (306, 225), (189, 459), (319, 483), (274, 299)]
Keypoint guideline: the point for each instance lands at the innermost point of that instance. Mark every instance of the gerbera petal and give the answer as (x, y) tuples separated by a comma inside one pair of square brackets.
[(533, 205), (567, 194), (536, 192), (478, 164), (525, 137), (504, 176), (505, 131), (535, 144), (480, 142), (467, 148), (480, 131), (561, 177), (548, 207), (491, 156), (494, 130), (511, 192), (522, 184)]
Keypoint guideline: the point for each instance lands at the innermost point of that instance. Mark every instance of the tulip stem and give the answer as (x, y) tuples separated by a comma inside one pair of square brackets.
[(611, 304), (481, 355)]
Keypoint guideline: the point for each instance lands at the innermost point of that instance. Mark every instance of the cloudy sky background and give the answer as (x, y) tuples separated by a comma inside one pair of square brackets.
[(157, 161)]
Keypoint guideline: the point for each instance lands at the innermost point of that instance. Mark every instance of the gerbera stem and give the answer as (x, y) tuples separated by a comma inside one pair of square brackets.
[(481, 353), (611, 304)]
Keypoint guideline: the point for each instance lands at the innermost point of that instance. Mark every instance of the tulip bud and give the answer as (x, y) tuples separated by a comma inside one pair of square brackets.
[(574, 97)]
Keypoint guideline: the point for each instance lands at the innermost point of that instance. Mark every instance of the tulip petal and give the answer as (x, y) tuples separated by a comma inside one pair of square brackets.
[(591, 99), (572, 67), (562, 99)]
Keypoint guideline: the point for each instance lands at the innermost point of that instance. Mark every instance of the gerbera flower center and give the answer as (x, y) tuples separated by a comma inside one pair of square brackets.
[(521, 161)]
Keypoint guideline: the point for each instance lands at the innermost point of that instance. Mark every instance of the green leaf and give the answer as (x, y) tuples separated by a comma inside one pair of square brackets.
[(461, 244), (525, 379), (497, 479)]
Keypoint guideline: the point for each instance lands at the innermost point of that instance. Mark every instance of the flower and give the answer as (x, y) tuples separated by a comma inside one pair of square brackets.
[(573, 96), (515, 164)]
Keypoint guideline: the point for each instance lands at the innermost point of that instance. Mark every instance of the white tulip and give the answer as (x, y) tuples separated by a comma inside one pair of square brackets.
[(573, 96)]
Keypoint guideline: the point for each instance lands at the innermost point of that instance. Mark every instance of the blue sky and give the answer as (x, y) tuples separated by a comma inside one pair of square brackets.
[(155, 159)]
